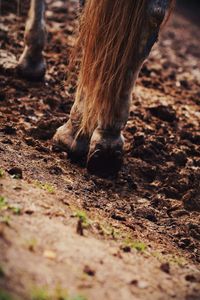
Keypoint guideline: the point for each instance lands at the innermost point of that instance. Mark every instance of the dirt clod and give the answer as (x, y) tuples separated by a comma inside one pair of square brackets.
[(16, 172), (165, 267), (89, 271)]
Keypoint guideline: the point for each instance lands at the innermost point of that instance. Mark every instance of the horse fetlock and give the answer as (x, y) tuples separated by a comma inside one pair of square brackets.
[(35, 38), (105, 155), (31, 66), (68, 139)]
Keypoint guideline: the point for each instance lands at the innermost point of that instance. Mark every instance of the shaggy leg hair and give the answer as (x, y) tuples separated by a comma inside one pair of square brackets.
[(115, 38)]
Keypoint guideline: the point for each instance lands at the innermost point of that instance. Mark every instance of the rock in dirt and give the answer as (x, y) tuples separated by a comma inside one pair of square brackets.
[(9, 129), (179, 157), (192, 278), (191, 200), (45, 129), (147, 213), (165, 267), (89, 271), (16, 172), (164, 113), (118, 216)]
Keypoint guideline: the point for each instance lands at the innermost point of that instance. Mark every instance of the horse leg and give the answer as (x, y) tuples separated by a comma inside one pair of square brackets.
[(69, 139), (105, 155), (32, 64)]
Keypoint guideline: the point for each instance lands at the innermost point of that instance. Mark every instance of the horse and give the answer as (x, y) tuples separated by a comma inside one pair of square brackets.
[(115, 38)]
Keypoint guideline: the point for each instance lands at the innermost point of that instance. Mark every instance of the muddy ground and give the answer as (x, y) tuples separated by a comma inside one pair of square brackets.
[(65, 234)]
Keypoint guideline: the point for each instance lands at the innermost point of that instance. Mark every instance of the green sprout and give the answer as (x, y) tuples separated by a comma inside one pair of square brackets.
[(39, 293), (82, 216), (3, 203), (45, 186), (77, 297), (4, 295), (31, 244), (5, 220), (1, 172), (170, 258), (4, 206), (137, 245)]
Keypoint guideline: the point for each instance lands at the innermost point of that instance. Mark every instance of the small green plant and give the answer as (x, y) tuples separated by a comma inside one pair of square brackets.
[(45, 186), (170, 258), (5, 220), (31, 244), (39, 293), (137, 245), (82, 216), (60, 293), (3, 203), (77, 297), (4, 295), (177, 260), (15, 209), (109, 230), (4, 206), (1, 172), (42, 293)]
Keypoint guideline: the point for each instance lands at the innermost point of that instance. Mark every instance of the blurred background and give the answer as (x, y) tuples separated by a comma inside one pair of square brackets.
[(190, 8)]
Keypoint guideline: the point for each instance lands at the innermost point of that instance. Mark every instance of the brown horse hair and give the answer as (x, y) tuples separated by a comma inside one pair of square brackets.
[(109, 37)]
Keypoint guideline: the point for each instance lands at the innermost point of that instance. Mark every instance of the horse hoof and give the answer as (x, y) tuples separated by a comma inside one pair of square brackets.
[(65, 139), (105, 164), (31, 69), (105, 157)]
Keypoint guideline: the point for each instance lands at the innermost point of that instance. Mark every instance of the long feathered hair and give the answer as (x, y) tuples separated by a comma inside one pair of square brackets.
[(109, 37)]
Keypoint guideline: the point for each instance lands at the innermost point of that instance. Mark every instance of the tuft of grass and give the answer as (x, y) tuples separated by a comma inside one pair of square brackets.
[(1, 172), (177, 260), (137, 245), (45, 186), (4, 295), (109, 230), (5, 220), (3, 203), (15, 209), (77, 297), (82, 216), (31, 244), (60, 293), (4, 206), (170, 258), (39, 293), (42, 293)]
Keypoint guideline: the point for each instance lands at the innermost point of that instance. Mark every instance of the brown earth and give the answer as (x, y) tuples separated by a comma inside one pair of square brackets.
[(63, 231)]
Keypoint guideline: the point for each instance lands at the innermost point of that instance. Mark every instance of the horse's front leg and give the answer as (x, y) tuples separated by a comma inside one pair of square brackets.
[(68, 137), (106, 147), (32, 64)]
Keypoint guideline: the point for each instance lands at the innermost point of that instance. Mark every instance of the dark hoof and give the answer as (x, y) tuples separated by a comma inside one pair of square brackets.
[(31, 69), (65, 140), (105, 163), (105, 156)]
